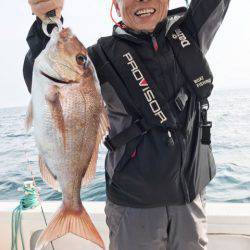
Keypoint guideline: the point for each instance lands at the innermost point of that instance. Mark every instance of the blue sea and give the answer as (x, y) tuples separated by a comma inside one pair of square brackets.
[(230, 113)]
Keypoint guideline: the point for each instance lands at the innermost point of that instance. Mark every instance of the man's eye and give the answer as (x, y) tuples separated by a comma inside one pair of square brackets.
[(81, 60)]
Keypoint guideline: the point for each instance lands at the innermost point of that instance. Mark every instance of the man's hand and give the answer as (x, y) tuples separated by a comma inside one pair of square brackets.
[(41, 7)]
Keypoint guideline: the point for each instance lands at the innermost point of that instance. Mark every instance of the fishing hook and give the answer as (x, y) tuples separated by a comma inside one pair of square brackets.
[(51, 19)]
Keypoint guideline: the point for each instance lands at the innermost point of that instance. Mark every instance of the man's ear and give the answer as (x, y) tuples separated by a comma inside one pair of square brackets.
[(117, 8)]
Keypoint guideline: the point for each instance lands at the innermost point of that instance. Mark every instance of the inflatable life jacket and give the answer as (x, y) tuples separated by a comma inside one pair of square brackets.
[(172, 138), (147, 99)]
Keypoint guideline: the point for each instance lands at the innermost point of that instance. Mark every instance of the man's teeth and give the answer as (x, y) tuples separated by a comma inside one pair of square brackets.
[(145, 12)]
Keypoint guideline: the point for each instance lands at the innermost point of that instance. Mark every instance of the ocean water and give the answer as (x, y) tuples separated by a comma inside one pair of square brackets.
[(230, 113)]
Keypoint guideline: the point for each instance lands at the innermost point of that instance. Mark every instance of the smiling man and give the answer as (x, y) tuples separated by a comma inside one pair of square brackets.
[(155, 81), (142, 17)]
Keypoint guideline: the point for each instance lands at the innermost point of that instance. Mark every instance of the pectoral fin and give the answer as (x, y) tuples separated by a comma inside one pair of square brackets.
[(53, 101)]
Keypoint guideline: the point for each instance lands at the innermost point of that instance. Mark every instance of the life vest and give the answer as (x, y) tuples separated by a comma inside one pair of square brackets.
[(140, 93), (185, 164)]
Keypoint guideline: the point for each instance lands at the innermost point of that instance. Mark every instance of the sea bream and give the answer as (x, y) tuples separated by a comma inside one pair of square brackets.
[(69, 120)]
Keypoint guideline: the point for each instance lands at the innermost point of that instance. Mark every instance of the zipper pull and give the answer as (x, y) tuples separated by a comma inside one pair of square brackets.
[(155, 43)]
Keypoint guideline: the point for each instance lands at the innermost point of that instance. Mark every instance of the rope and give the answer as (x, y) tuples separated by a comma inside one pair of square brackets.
[(29, 167), (39, 197), (31, 200), (28, 201)]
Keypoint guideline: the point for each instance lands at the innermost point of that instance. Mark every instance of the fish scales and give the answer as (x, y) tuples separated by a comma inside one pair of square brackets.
[(69, 121)]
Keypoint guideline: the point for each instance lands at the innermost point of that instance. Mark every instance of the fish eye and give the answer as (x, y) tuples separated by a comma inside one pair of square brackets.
[(81, 60)]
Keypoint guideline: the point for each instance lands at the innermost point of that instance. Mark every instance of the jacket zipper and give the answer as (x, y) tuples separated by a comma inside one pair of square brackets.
[(183, 181), (155, 43), (156, 49), (171, 142)]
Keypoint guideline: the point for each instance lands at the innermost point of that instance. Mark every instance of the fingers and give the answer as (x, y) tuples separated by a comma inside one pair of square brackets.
[(42, 8)]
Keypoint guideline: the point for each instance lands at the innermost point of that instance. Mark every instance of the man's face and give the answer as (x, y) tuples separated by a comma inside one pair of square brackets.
[(142, 14)]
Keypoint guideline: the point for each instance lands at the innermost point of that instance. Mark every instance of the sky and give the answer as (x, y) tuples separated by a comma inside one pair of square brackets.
[(89, 19)]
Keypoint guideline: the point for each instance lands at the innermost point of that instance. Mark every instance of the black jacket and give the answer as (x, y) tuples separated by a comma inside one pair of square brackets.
[(159, 174)]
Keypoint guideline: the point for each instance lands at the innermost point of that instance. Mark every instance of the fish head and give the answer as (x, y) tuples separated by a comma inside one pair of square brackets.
[(69, 58)]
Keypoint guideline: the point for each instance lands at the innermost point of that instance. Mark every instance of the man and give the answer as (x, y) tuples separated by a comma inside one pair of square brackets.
[(155, 82)]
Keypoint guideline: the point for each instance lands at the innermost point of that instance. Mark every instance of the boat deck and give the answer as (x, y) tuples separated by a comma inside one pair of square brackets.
[(228, 226)]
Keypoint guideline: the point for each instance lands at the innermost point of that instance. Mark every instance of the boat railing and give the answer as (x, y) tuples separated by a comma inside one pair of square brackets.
[(228, 226)]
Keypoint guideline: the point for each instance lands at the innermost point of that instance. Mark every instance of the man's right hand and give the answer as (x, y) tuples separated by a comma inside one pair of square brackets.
[(41, 7)]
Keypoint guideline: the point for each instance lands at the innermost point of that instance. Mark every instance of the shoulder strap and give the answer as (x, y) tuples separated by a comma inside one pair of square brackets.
[(191, 60), (196, 69), (138, 83), (107, 73)]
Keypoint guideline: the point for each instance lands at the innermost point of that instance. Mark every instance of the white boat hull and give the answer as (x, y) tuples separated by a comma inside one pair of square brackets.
[(228, 226)]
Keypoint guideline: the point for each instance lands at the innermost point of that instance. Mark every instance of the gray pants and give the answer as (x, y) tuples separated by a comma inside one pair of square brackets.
[(163, 228)]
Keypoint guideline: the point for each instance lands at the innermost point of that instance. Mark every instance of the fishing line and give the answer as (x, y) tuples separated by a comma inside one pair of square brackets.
[(36, 187), (38, 192), (31, 200)]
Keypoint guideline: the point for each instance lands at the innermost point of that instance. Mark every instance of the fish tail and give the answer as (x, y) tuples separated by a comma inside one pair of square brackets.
[(67, 221)]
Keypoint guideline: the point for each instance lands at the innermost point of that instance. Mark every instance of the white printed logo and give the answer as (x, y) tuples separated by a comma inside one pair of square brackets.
[(148, 93), (201, 81), (180, 35)]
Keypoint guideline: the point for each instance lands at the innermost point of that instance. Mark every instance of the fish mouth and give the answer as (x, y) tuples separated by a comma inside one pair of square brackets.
[(54, 79)]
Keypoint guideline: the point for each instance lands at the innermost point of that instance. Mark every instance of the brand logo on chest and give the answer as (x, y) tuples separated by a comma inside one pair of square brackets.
[(148, 93), (183, 39)]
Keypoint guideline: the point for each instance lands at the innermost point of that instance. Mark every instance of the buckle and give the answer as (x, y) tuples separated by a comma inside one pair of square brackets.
[(179, 104), (206, 133), (107, 143), (141, 127), (205, 104), (181, 99)]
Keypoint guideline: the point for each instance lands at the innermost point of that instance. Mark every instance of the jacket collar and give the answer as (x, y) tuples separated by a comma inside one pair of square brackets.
[(160, 30), (139, 36)]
